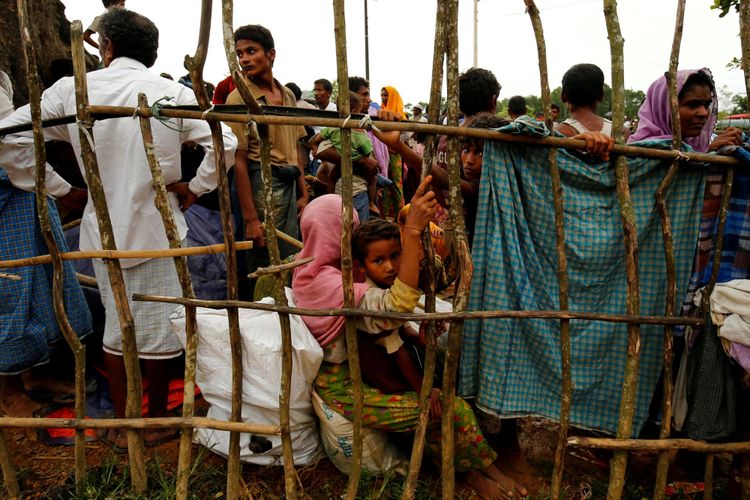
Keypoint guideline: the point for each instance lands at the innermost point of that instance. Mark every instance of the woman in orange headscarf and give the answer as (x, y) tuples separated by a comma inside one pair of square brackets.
[(393, 197)]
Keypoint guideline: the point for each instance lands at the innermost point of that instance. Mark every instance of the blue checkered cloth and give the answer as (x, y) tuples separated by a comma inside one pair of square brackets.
[(512, 367), (28, 328)]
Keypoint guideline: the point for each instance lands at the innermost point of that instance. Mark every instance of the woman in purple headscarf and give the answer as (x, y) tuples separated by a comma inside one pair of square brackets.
[(696, 94)]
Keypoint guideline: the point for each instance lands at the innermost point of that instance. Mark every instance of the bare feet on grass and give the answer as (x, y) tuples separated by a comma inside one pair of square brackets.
[(492, 483), (512, 488)]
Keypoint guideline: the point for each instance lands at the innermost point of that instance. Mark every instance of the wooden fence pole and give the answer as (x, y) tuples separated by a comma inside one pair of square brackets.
[(415, 461), (347, 216), (58, 271), (290, 475), (170, 227), (662, 467), (96, 192), (461, 249), (195, 66), (6, 465), (562, 262), (630, 377), (744, 11)]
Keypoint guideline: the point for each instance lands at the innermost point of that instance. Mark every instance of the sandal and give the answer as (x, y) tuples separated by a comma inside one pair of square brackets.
[(153, 443)]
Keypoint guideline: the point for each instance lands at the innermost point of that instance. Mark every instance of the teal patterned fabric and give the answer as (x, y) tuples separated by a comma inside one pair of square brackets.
[(512, 367)]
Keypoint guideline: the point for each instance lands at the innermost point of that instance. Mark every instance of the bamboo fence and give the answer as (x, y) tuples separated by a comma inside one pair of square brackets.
[(445, 55)]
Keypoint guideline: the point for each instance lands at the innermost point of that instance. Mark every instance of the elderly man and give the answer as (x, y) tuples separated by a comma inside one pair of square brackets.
[(128, 46)]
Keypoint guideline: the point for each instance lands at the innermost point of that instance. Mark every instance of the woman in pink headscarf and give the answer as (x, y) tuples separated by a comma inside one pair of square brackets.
[(698, 107), (318, 285)]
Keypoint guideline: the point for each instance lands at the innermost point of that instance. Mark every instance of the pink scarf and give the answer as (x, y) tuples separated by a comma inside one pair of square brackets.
[(319, 285)]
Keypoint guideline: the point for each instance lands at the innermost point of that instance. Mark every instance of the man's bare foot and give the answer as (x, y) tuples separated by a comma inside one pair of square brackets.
[(485, 488), (18, 405), (374, 210), (511, 487)]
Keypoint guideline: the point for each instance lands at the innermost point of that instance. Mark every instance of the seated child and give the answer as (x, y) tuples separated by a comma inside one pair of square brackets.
[(582, 91), (364, 164), (385, 360)]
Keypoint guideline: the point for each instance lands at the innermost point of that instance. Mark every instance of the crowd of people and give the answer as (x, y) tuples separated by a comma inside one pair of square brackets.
[(392, 206)]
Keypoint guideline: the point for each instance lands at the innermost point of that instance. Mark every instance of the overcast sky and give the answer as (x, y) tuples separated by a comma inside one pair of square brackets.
[(402, 31)]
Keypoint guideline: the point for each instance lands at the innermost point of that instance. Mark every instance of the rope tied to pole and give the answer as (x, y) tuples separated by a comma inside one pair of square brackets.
[(204, 116), (84, 126), (680, 156), (156, 108), (365, 123)]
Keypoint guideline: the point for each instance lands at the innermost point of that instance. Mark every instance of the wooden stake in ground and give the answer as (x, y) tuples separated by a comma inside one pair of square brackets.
[(627, 214), (58, 271), (290, 482), (347, 216), (463, 257), (662, 467), (96, 192), (195, 66), (420, 432), (562, 262), (170, 227)]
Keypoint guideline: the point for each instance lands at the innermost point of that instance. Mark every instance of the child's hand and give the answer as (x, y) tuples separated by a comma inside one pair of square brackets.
[(440, 328), (436, 407), (423, 207)]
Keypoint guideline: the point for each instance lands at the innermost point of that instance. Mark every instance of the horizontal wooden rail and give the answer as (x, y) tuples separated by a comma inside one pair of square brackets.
[(556, 142), (108, 112), (125, 254), (656, 445), (138, 423), (437, 316)]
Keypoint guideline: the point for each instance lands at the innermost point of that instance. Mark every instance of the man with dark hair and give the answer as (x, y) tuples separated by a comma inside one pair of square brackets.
[(516, 107), (323, 89), (359, 85), (582, 91), (128, 47), (555, 113), (478, 90), (255, 50)]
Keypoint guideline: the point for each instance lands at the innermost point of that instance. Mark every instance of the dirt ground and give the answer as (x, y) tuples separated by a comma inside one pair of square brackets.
[(47, 471)]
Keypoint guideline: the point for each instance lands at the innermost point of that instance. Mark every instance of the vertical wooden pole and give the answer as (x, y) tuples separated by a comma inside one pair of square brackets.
[(662, 467), (58, 271), (562, 262), (170, 227), (96, 192), (420, 432), (630, 377), (462, 253), (745, 43), (708, 478), (9, 472), (347, 217), (195, 66)]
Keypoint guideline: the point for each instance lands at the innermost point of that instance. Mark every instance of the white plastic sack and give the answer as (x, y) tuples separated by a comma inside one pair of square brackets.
[(337, 433), (261, 384)]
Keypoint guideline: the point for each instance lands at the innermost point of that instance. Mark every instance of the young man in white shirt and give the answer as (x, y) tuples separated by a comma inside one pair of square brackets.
[(128, 46)]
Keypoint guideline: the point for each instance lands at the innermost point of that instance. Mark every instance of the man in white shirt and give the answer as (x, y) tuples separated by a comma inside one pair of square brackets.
[(323, 90), (128, 46)]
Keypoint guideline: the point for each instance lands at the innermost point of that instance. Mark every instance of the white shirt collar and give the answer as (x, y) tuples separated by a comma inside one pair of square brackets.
[(127, 62)]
